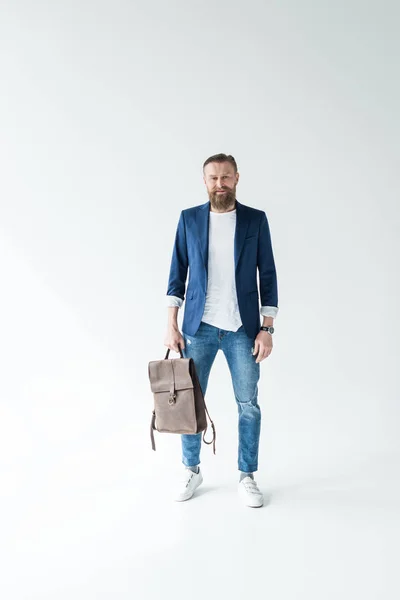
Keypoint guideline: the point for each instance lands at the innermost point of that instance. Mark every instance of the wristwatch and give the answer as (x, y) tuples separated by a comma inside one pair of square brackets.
[(270, 329)]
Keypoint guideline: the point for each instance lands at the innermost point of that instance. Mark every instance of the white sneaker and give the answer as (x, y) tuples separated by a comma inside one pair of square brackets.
[(190, 482), (249, 493)]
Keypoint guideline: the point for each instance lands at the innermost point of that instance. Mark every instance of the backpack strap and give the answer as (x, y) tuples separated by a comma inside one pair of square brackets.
[(213, 429), (152, 428)]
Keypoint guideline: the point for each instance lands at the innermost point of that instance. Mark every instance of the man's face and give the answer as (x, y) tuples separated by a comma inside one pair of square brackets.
[(221, 181)]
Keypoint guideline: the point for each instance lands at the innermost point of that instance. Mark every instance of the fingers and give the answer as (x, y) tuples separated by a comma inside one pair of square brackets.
[(174, 341), (258, 351), (180, 346), (176, 345), (263, 353)]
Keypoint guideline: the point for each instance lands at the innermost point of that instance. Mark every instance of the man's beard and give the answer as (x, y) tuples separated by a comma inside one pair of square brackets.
[(224, 201)]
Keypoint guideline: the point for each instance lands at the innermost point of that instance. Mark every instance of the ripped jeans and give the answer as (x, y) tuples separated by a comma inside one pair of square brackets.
[(245, 373)]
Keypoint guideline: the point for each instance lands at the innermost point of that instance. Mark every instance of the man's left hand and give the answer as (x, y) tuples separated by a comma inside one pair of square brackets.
[(262, 345)]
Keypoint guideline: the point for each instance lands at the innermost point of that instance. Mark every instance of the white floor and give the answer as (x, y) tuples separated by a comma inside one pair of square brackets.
[(98, 525)]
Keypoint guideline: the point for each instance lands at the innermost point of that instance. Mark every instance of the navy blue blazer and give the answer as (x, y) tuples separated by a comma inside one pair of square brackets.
[(252, 251)]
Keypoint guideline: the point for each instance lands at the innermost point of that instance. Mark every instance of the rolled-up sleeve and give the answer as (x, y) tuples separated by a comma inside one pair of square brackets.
[(269, 311), (174, 301)]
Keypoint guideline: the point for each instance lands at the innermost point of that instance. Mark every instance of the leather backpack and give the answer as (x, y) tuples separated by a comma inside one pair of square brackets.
[(179, 405)]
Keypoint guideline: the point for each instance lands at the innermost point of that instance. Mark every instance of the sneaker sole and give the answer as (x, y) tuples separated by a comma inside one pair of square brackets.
[(246, 502)]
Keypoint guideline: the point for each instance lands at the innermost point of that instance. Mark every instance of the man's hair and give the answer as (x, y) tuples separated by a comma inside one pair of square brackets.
[(221, 158)]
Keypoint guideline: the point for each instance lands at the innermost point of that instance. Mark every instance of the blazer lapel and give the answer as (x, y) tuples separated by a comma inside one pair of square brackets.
[(242, 224), (202, 221)]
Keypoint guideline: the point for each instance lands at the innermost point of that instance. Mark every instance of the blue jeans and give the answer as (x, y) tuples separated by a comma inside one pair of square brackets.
[(245, 373)]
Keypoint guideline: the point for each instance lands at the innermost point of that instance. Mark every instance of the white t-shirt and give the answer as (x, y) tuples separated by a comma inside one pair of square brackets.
[(221, 307)]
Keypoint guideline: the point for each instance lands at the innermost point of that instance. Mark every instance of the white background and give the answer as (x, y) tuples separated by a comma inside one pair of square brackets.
[(107, 113)]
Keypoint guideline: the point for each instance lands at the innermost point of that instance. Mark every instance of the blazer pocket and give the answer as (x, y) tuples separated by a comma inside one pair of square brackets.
[(251, 237)]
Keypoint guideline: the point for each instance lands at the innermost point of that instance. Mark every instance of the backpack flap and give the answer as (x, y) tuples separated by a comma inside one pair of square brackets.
[(171, 374)]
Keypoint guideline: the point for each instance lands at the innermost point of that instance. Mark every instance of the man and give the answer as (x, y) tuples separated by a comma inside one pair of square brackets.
[(224, 243)]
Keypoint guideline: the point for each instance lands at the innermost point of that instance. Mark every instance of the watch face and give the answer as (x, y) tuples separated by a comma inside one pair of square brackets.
[(271, 329)]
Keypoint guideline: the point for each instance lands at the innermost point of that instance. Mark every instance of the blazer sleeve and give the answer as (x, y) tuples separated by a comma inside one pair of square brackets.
[(179, 262), (266, 266)]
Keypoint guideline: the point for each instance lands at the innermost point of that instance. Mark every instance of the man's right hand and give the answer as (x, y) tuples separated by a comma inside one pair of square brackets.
[(174, 339)]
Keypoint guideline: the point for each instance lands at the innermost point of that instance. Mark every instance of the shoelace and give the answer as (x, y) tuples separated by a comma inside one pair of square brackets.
[(251, 487), (186, 478)]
